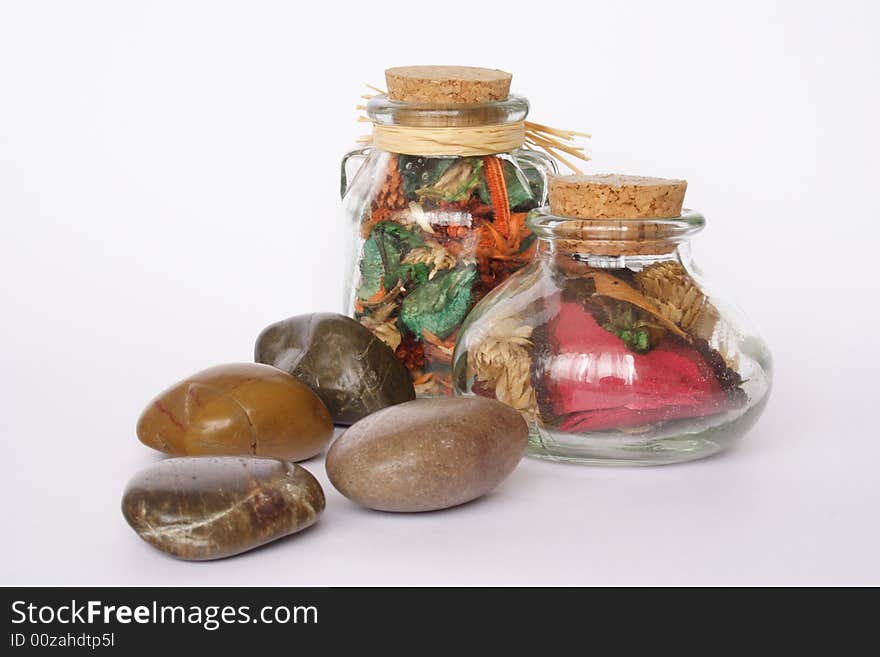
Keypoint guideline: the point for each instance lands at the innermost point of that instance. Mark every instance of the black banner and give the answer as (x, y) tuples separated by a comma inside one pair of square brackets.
[(126, 620)]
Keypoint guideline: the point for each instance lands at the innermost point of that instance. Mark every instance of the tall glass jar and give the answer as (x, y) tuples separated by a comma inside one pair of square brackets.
[(436, 208), (614, 348)]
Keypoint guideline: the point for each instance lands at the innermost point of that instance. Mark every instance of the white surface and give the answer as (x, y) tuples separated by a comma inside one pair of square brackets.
[(168, 186)]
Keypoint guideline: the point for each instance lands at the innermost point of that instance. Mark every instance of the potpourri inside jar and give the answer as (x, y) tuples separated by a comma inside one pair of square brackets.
[(609, 343)]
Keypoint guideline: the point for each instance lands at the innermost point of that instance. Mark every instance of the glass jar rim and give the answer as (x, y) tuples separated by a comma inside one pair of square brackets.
[(548, 226), (384, 111)]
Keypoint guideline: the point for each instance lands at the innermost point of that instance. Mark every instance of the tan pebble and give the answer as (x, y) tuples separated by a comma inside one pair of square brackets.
[(427, 454)]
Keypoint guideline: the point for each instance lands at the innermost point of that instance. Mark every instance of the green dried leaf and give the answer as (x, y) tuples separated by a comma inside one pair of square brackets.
[(440, 304), (381, 258), (416, 273), (372, 265), (630, 325), (418, 171), (456, 183)]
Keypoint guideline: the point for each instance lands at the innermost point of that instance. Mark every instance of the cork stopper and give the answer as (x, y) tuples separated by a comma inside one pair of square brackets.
[(616, 196), (611, 215), (447, 85)]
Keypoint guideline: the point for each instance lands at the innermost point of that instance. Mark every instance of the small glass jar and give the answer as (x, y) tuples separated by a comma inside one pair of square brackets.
[(434, 228), (613, 347)]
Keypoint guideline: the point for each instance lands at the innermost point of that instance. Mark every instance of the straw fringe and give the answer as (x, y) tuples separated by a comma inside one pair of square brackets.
[(560, 144)]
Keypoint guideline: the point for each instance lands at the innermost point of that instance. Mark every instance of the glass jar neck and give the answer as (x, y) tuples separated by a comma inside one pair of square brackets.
[(574, 259), (383, 111), (576, 244)]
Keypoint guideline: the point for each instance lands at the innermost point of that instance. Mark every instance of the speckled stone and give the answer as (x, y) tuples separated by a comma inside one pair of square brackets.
[(427, 454), (200, 508), (350, 369), (237, 409)]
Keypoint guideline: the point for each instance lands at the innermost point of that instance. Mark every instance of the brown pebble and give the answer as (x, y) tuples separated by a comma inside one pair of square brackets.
[(199, 508), (350, 369), (427, 454), (237, 409)]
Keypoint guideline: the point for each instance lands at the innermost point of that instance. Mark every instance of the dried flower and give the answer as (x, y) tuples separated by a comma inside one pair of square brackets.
[(456, 183), (433, 255), (419, 216), (674, 292), (502, 360), (386, 331), (389, 198)]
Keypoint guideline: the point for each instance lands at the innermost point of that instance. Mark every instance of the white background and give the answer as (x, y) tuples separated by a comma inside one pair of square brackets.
[(169, 186)]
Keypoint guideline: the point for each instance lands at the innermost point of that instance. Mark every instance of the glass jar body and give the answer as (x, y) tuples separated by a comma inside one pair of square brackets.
[(429, 237), (616, 359)]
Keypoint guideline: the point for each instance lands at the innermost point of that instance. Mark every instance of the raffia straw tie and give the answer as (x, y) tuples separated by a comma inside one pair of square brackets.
[(459, 140)]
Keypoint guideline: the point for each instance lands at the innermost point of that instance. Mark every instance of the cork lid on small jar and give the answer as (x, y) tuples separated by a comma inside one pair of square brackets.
[(614, 215), (616, 196), (447, 85)]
